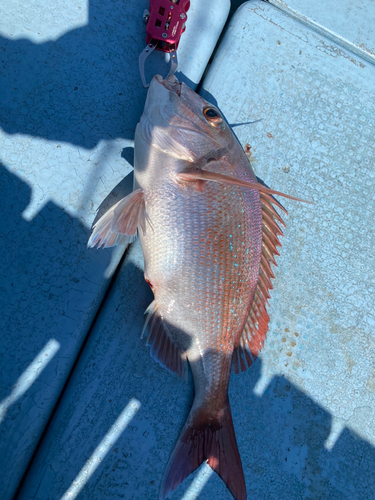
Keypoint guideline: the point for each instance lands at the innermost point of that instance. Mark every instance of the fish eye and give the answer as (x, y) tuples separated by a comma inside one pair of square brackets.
[(212, 116)]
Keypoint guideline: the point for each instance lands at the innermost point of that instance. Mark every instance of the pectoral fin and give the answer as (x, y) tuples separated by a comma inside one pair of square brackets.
[(119, 224), (206, 175)]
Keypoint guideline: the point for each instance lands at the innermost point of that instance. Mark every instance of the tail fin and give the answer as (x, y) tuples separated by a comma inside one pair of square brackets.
[(211, 438)]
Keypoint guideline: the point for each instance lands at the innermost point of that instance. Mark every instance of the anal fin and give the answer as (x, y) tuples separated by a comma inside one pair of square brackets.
[(255, 330), (164, 345), (119, 224)]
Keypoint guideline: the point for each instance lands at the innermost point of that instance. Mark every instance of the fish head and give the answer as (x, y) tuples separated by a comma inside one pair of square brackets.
[(179, 123)]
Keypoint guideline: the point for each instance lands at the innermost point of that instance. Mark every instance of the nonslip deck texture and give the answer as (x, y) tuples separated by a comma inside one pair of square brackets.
[(303, 413), (70, 98)]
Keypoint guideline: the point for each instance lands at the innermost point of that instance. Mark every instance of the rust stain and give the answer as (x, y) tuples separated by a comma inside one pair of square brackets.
[(366, 49), (289, 354), (287, 329), (256, 12), (371, 381), (351, 364), (292, 344), (296, 334), (334, 52), (248, 152), (269, 135)]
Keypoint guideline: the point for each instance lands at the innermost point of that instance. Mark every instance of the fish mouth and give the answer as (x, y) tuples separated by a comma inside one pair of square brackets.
[(171, 83)]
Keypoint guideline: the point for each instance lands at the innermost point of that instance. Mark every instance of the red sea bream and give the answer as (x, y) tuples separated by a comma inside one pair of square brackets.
[(208, 236)]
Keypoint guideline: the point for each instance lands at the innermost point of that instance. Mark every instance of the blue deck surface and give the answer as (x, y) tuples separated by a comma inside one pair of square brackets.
[(312, 104), (350, 24), (70, 97)]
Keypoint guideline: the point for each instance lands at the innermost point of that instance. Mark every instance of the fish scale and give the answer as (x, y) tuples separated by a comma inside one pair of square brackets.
[(204, 265), (204, 282), (209, 234)]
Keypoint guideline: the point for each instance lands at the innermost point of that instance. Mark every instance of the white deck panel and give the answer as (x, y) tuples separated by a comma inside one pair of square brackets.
[(70, 97), (312, 104), (304, 413), (347, 22), (115, 370)]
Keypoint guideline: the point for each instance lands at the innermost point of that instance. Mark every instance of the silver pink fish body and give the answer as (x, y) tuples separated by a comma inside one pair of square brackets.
[(208, 239), (202, 250)]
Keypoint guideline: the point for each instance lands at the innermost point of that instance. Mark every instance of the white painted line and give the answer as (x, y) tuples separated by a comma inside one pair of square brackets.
[(204, 474), (263, 382), (337, 426), (102, 449), (29, 376)]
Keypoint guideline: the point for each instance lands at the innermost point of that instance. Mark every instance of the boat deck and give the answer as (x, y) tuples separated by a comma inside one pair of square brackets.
[(84, 411)]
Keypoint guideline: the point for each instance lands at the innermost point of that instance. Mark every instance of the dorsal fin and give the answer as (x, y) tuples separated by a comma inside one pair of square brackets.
[(254, 333), (163, 349)]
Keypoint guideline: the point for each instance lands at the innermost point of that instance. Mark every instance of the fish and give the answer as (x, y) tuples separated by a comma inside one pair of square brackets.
[(209, 233)]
